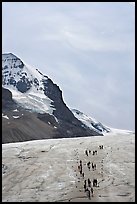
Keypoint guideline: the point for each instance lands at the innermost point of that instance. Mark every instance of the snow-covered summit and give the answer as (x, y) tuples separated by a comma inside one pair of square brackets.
[(8, 56), (18, 74), (26, 84)]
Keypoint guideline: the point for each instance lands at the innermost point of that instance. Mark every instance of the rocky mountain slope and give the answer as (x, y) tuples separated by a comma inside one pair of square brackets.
[(38, 102), (90, 122)]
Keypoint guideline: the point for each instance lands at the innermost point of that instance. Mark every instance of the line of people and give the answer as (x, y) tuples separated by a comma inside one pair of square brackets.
[(88, 184)]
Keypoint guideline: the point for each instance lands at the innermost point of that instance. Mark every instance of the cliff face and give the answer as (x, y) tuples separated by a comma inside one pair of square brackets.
[(53, 91)]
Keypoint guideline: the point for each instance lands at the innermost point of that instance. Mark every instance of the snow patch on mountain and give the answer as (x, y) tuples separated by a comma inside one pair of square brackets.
[(90, 122), (97, 126), (16, 116), (5, 116), (15, 110), (35, 101)]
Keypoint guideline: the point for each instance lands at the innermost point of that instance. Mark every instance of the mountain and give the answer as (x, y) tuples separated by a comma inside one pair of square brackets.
[(33, 105)]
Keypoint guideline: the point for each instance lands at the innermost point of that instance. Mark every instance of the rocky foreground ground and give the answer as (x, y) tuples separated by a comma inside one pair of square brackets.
[(47, 170)]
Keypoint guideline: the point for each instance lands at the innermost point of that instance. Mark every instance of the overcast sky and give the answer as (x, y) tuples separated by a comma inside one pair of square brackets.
[(86, 48)]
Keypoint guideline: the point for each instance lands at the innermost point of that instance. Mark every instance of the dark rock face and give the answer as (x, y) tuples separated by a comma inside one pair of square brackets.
[(12, 81), (69, 126), (46, 118), (6, 95), (100, 127), (23, 85), (7, 101), (54, 93)]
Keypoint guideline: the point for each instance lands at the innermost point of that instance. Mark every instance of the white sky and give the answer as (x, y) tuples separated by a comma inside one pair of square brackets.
[(88, 49)]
